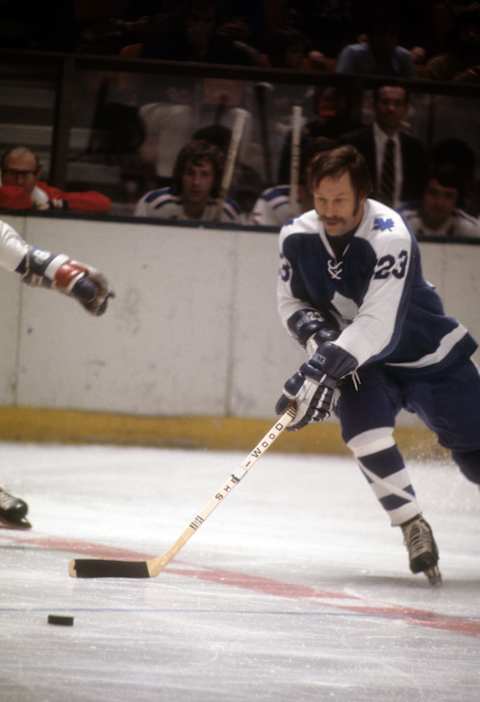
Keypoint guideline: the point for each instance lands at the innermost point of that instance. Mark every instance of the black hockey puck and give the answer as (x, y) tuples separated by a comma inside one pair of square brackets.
[(60, 620)]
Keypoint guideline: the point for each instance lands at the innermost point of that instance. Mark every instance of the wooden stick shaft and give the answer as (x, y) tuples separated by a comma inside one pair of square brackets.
[(155, 565), (261, 93), (231, 157), (295, 154)]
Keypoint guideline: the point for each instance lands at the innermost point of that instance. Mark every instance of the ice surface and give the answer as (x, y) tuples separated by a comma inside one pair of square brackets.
[(295, 589)]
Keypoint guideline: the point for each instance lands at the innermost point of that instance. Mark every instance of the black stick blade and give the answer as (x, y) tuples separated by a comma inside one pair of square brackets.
[(97, 568)]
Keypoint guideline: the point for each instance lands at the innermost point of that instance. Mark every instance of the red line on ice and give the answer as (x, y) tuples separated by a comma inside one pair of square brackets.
[(268, 586)]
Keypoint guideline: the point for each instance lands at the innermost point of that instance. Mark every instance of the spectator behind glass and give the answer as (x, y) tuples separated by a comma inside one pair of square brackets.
[(438, 214), (192, 31), (457, 155), (246, 180), (461, 61), (21, 188), (291, 49), (197, 178), (380, 54), (409, 161)]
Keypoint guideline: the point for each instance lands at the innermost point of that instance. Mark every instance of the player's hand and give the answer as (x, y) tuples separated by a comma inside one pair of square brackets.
[(93, 292), (313, 387), (85, 284), (312, 391)]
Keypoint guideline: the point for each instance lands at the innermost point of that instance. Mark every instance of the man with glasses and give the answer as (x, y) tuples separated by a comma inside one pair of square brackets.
[(21, 188)]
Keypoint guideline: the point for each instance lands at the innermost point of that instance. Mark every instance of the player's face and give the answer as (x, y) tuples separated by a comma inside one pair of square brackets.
[(20, 169), (338, 206), (197, 182), (438, 203), (391, 108)]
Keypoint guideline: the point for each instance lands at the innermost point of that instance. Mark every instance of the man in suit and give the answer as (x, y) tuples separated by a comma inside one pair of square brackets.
[(397, 160)]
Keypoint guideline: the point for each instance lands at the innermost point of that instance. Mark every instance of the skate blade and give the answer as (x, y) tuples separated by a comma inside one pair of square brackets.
[(434, 576), (15, 526)]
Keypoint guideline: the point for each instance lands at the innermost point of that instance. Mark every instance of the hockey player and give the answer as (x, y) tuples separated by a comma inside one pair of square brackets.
[(377, 339), (197, 178), (274, 207), (41, 268)]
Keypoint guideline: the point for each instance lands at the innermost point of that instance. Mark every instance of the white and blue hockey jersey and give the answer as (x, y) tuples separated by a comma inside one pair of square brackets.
[(375, 293), (273, 208), (165, 204)]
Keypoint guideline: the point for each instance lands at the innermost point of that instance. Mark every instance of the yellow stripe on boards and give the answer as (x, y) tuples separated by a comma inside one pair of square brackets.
[(36, 424)]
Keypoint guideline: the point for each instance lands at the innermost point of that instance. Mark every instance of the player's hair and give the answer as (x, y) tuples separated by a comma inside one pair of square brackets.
[(195, 152), (19, 149), (333, 163)]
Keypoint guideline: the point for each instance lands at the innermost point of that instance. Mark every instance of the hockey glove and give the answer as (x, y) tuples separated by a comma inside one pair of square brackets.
[(308, 324), (312, 388), (78, 280)]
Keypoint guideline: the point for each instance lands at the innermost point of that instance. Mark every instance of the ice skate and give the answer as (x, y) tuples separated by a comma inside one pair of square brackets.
[(13, 512), (422, 549)]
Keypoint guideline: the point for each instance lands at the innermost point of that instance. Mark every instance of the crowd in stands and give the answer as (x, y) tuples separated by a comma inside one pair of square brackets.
[(437, 39), (181, 164)]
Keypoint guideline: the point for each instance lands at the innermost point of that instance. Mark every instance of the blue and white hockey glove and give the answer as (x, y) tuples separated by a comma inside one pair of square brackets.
[(58, 271), (307, 325), (312, 388)]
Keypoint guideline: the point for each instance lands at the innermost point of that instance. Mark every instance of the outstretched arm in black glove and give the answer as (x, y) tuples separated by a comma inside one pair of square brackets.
[(312, 387)]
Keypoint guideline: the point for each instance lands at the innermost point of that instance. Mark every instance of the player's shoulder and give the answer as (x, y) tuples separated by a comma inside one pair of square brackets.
[(306, 224), (382, 224), (159, 198), (231, 209), (276, 192), (465, 219)]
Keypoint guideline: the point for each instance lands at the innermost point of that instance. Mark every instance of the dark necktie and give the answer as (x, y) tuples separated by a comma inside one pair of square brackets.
[(387, 180)]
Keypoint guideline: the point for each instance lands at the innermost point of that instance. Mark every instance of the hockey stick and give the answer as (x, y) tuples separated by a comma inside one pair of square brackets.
[(262, 91), (235, 139), (97, 568), (295, 154)]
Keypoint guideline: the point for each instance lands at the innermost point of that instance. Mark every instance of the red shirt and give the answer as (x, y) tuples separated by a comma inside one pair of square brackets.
[(46, 197)]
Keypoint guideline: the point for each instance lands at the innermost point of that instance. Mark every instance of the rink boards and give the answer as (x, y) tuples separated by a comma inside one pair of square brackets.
[(191, 350)]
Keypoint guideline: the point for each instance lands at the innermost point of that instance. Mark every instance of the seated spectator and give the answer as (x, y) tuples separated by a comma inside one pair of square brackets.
[(380, 54), (194, 194), (397, 160), (461, 61), (438, 214), (246, 181), (274, 207), (291, 49), (21, 188), (458, 155)]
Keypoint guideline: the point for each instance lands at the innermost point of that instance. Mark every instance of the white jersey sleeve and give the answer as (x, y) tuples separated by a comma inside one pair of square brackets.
[(12, 247), (378, 318)]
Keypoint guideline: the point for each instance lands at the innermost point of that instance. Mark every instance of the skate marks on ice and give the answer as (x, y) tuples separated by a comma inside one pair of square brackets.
[(346, 601), (295, 590)]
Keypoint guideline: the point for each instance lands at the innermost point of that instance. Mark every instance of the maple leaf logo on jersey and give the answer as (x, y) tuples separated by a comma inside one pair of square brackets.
[(383, 224)]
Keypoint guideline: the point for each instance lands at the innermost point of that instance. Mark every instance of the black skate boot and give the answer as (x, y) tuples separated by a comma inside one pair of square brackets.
[(13, 512), (422, 549)]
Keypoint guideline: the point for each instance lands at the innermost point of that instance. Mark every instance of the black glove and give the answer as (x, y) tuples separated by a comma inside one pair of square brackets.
[(92, 291), (58, 271), (308, 323), (312, 387)]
